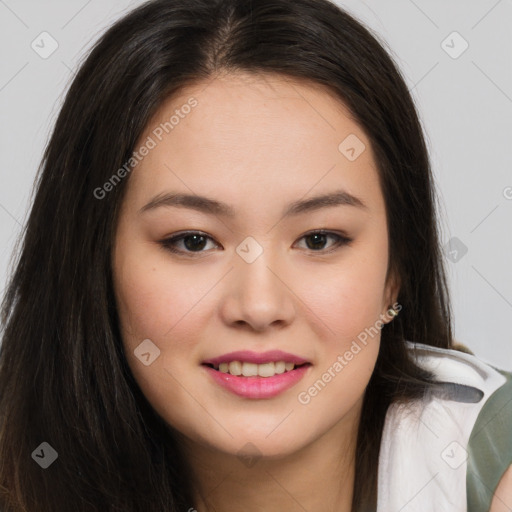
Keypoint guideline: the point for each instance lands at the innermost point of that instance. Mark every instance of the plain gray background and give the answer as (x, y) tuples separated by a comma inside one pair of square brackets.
[(464, 99)]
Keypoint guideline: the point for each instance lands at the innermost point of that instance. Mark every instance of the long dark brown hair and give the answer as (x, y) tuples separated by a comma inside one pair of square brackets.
[(64, 378)]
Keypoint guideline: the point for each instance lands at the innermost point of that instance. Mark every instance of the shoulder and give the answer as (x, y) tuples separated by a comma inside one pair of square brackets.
[(433, 444)]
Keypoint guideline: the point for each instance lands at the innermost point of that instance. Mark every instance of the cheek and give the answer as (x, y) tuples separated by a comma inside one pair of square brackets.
[(347, 298), (349, 307), (157, 305), (154, 303)]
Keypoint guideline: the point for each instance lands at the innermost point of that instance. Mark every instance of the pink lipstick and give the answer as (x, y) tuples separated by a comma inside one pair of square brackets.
[(257, 375)]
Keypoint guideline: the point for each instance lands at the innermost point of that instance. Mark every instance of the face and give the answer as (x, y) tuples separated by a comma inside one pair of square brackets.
[(295, 286)]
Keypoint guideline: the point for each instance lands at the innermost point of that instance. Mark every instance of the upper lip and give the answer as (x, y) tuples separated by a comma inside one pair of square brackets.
[(256, 357)]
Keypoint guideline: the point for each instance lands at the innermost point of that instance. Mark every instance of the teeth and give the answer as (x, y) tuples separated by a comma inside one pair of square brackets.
[(224, 367), (253, 369), (266, 370), (279, 367), (249, 369), (235, 368)]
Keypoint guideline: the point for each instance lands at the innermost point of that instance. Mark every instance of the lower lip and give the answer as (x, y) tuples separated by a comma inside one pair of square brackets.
[(258, 387)]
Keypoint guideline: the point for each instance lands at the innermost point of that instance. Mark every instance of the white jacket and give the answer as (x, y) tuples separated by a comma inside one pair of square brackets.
[(447, 452)]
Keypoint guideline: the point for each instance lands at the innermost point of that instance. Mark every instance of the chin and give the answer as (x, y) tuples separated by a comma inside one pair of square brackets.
[(256, 445)]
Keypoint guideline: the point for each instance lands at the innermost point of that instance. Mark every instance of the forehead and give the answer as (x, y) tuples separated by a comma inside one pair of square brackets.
[(260, 132), (255, 108)]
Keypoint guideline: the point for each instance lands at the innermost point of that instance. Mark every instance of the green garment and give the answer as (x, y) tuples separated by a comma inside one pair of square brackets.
[(490, 447)]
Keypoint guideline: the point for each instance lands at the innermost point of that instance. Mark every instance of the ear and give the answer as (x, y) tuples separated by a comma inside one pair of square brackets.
[(391, 291)]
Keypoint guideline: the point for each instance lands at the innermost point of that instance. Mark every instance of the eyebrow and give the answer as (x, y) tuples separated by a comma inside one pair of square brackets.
[(214, 207)]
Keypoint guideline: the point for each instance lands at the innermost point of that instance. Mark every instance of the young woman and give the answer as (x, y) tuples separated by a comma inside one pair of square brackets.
[(230, 293)]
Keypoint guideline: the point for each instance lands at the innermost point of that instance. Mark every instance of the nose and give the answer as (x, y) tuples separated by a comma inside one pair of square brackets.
[(258, 295)]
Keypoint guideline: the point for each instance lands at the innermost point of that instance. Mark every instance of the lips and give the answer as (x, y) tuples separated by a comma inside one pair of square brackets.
[(246, 356), (257, 375)]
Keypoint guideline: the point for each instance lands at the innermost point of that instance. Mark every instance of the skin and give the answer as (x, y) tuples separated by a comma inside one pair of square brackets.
[(256, 143), (502, 498)]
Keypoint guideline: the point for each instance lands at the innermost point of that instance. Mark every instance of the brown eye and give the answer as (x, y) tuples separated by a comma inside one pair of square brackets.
[(191, 242), (194, 243), (318, 239)]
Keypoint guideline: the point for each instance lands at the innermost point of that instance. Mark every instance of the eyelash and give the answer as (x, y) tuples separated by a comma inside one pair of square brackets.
[(169, 243)]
